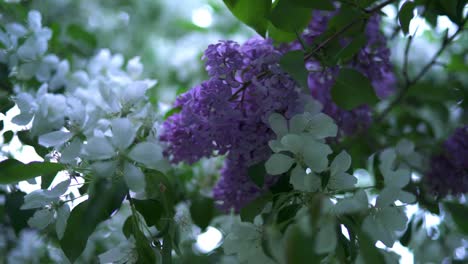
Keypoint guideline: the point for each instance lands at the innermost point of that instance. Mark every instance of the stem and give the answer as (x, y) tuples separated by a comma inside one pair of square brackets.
[(425, 69), (167, 249), (345, 28)]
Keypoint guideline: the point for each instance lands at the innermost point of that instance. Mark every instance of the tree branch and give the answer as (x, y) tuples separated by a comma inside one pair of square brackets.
[(410, 82)]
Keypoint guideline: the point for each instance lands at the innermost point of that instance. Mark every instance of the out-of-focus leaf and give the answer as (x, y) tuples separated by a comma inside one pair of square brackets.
[(352, 89), (202, 211), (7, 136), (459, 212), (173, 111), (299, 247), (12, 170), (144, 250), (252, 13), (83, 37), (315, 4), (280, 36), (105, 198), (151, 210), (293, 63), (255, 207), (158, 187), (18, 218), (369, 253), (288, 17), (406, 237), (257, 173), (405, 15), (347, 52), (26, 138), (348, 19)]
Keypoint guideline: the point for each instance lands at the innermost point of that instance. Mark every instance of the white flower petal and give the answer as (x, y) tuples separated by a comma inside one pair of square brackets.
[(298, 123), (62, 217), (297, 178), (341, 163), (55, 138), (292, 142), (315, 155), (278, 124), (105, 169), (134, 177), (59, 189), (321, 126), (341, 181), (123, 133), (99, 148), (148, 153), (278, 163), (41, 219), (276, 145), (326, 240), (71, 151)]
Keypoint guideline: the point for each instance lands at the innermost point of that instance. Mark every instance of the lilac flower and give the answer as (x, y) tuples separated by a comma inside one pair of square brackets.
[(444, 178), (228, 113), (373, 60), (456, 147), (449, 171)]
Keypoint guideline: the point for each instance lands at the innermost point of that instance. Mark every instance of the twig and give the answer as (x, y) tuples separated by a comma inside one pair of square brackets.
[(425, 69), (345, 28)]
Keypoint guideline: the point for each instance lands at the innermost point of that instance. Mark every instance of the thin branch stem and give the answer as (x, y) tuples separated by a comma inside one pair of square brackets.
[(410, 82), (346, 28)]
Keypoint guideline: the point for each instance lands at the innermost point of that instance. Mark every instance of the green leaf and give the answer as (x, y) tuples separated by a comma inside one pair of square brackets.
[(254, 208), (299, 247), (289, 17), (18, 217), (26, 138), (12, 170), (293, 63), (144, 250), (369, 253), (105, 198), (459, 212), (47, 179), (315, 4), (171, 112), (257, 173), (406, 237), (151, 210), (345, 19), (352, 89), (7, 136), (127, 228), (158, 187), (2, 125), (83, 37), (280, 36), (347, 52), (202, 211), (252, 13), (405, 15)]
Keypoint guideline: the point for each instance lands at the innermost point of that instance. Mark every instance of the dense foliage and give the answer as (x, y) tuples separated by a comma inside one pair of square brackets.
[(328, 136)]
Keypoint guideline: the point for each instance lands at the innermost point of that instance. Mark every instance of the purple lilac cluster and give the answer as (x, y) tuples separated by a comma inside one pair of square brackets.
[(373, 60), (449, 170), (227, 114)]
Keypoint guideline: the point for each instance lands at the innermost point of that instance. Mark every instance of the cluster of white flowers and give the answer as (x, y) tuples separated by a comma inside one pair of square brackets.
[(97, 117), (301, 151)]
